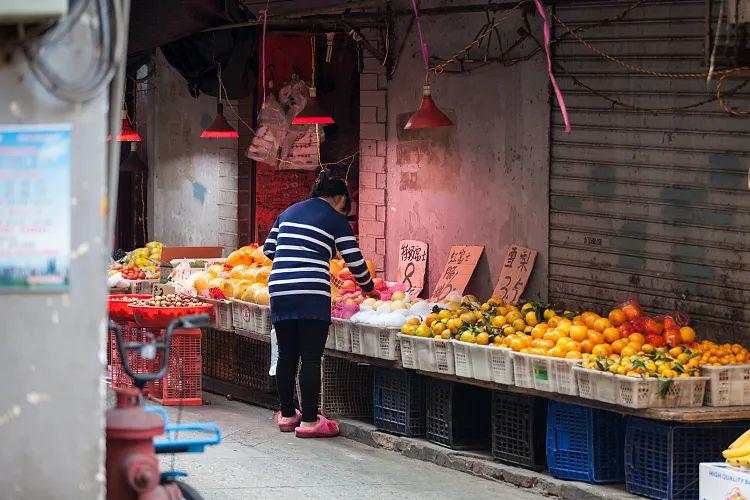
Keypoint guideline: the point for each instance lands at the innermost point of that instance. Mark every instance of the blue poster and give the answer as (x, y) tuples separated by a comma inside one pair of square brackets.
[(34, 208)]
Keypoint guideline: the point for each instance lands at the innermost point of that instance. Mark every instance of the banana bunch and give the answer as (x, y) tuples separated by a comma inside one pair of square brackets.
[(738, 453)]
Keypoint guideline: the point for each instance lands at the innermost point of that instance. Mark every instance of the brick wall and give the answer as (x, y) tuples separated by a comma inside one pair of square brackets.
[(373, 114)]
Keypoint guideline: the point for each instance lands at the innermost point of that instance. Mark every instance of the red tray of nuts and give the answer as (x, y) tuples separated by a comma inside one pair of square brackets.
[(158, 312), (119, 305)]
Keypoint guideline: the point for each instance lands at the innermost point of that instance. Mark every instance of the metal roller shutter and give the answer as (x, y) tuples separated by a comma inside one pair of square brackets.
[(653, 205)]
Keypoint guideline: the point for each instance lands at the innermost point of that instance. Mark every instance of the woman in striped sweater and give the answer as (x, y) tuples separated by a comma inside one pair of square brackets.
[(304, 239)]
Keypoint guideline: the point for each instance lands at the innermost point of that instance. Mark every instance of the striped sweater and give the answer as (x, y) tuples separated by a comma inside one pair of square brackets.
[(303, 240)]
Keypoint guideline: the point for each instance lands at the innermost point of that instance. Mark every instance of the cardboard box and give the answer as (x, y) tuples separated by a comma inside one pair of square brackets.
[(721, 481)]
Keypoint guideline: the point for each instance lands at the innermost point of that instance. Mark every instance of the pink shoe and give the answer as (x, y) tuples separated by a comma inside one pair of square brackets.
[(323, 429), (287, 424)]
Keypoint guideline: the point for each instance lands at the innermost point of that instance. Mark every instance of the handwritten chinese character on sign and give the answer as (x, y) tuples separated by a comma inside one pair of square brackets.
[(462, 260), (412, 265), (514, 275)]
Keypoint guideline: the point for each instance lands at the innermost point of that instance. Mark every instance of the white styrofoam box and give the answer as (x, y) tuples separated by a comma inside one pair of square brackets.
[(727, 385), (501, 365), (721, 481)]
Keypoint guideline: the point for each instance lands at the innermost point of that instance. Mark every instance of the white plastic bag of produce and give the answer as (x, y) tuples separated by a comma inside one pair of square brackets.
[(274, 353)]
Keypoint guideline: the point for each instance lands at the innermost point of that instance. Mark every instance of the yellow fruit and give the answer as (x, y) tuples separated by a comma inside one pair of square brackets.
[(468, 337), (564, 325), (430, 319), (549, 313), (687, 335), (498, 321), (573, 355), (498, 340), (601, 350), (595, 337), (408, 329), (637, 338), (628, 350), (422, 331), (483, 339), (438, 328), (578, 332), (455, 323), (508, 330), (531, 318), (588, 318), (556, 352), (647, 348), (512, 316), (675, 351), (554, 321), (446, 335), (601, 324), (519, 325), (469, 318), (611, 334)]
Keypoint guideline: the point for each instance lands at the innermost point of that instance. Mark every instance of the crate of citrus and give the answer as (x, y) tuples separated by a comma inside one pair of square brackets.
[(728, 370), (663, 378)]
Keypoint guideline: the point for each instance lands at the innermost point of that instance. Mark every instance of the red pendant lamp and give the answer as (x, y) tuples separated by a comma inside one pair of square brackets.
[(313, 113), (127, 132), (220, 128), (428, 115)]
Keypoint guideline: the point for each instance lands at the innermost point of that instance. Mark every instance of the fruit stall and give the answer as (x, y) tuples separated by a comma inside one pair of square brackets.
[(611, 396)]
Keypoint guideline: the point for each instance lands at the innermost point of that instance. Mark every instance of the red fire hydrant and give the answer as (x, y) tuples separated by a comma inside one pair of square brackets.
[(132, 466)]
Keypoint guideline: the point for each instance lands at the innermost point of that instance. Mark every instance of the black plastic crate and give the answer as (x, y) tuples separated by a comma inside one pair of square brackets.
[(219, 354), (346, 388), (661, 459), (519, 429), (398, 402), (584, 444), (457, 415), (253, 358)]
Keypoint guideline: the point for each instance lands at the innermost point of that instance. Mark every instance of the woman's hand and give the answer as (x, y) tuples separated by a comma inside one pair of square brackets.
[(373, 294)]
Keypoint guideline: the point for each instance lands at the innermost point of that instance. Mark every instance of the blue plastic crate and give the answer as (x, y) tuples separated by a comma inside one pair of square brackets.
[(661, 459), (584, 444), (398, 404)]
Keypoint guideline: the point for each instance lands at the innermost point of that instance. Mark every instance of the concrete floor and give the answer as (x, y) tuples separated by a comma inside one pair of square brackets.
[(255, 460)]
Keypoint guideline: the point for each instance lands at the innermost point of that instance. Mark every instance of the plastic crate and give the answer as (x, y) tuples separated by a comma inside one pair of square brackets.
[(554, 374), (120, 379), (182, 384), (584, 444), (253, 363), (378, 342), (243, 318), (346, 388), (399, 402), (472, 361), (357, 340), (457, 415), (727, 385), (219, 354), (523, 375), (342, 334), (435, 355), (408, 351), (519, 426), (501, 365), (661, 459), (223, 319), (633, 392)]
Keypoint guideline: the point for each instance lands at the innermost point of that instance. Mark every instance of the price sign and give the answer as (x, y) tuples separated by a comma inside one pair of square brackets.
[(161, 289), (412, 264), (462, 261), (517, 266)]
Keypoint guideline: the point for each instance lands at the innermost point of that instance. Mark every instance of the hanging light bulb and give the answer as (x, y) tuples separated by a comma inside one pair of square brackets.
[(428, 115), (313, 113), (220, 127), (133, 163)]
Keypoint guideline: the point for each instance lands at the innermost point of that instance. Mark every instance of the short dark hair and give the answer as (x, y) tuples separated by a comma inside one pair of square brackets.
[(328, 186)]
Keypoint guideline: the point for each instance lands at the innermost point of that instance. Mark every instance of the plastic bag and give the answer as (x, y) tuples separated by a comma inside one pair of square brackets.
[(272, 130), (274, 353), (631, 308)]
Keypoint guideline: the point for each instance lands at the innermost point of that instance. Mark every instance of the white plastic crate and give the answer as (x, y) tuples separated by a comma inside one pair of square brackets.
[(330, 339), (441, 358), (545, 373), (243, 318), (341, 329), (357, 340), (727, 385), (378, 342), (408, 351), (523, 375), (223, 314), (639, 393), (472, 361), (262, 319), (501, 365)]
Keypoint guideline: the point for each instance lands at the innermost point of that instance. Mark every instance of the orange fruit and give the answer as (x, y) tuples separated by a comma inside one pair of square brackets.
[(579, 332), (647, 348), (687, 335), (587, 346), (637, 338), (595, 337), (556, 352), (600, 324), (617, 317), (589, 318), (546, 344), (631, 310), (601, 350), (611, 334), (618, 345), (573, 355), (628, 350), (430, 319), (552, 335), (564, 325), (553, 322)]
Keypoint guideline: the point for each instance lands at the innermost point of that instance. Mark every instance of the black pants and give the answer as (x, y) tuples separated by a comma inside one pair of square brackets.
[(306, 339)]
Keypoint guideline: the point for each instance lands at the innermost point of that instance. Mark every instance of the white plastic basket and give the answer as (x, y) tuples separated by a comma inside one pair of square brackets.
[(330, 339), (440, 358), (262, 319), (639, 393), (501, 365), (523, 375), (408, 351), (223, 317), (357, 339), (378, 342), (243, 318), (545, 373), (727, 385), (341, 329), (472, 361)]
